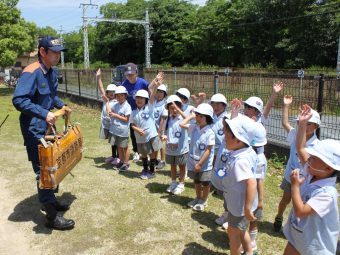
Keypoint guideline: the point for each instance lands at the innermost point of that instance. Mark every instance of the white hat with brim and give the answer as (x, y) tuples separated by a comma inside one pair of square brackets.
[(260, 138), (255, 102), (121, 90), (328, 151), (111, 87), (314, 119), (142, 93), (205, 109), (243, 129), (163, 88)]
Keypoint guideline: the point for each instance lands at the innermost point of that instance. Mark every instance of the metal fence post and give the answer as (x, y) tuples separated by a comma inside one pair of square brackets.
[(174, 70), (215, 82), (65, 73), (79, 83), (320, 100)]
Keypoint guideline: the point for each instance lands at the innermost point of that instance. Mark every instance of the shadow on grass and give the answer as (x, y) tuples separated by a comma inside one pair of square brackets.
[(130, 174), (29, 210), (205, 218), (197, 249), (267, 227), (217, 237), (5, 91)]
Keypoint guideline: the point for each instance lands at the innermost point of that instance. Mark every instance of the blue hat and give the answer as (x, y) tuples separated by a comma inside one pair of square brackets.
[(51, 43)]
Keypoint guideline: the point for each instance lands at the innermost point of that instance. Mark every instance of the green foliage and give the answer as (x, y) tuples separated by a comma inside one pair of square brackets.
[(277, 162), (240, 33), (16, 35), (46, 31)]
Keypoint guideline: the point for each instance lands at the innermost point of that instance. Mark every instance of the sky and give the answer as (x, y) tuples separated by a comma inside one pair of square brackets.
[(63, 14)]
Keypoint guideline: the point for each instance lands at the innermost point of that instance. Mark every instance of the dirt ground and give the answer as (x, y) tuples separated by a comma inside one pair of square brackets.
[(12, 239)]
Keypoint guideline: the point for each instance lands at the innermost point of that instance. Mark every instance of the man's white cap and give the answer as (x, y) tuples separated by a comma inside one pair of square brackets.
[(111, 87), (218, 98), (185, 92), (121, 90), (243, 128), (255, 102), (205, 109), (328, 151), (163, 87), (173, 98), (260, 138), (142, 93)]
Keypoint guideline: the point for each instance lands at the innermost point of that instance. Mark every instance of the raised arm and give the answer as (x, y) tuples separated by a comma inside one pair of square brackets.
[(236, 105), (287, 101), (199, 99), (185, 122), (277, 87), (154, 86), (100, 86), (304, 116)]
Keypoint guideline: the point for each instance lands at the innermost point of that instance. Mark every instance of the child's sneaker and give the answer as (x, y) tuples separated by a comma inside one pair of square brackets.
[(160, 165), (171, 187), (278, 223), (117, 166), (150, 175), (143, 174), (200, 206), (225, 225), (192, 203), (222, 219), (124, 168), (179, 189), (135, 157), (115, 161), (109, 159)]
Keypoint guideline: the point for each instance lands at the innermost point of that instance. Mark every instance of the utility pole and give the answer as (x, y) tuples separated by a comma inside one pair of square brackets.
[(145, 23), (62, 43), (86, 40)]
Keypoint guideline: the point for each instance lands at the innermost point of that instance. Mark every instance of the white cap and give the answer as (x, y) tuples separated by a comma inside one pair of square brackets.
[(328, 151), (121, 90), (185, 92), (205, 109), (243, 128), (260, 138), (111, 87), (315, 118), (218, 98), (163, 87), (173, 98), (255, 102), (142, 93)]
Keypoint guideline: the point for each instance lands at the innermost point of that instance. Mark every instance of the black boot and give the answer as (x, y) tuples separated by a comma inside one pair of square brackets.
[(60, 207), (55, 221)]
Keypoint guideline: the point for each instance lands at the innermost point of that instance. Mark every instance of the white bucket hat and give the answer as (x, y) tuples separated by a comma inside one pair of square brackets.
[(142, 93), (260, 138), (243, 128), (173, 98), (218, 98), (328, 151), (255, 102), (111, 87), (314, 119), (163, 87), (205, 109), (121, 90), (185, 92)]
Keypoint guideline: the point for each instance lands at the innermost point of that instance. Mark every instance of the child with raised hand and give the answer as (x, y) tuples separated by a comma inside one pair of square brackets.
[(201, 153), (313, 224), (119, 129), (293, 161), (109, 100), (177, 145), (143, 123), (160, 115), (234, 174)]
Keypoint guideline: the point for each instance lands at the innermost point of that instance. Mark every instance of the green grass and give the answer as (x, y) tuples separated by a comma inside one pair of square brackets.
[(119, 213)]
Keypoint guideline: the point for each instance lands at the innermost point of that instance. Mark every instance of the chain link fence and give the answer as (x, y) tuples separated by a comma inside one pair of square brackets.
[(321, 92)]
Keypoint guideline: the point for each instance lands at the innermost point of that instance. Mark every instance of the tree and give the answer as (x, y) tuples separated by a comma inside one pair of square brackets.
[(47, 31), (16, 35)]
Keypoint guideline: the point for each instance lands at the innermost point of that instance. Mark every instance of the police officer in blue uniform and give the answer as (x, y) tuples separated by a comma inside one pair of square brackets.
[(35, 96)]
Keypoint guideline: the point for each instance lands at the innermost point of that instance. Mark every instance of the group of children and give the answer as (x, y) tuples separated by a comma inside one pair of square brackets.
[(227, 152)]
